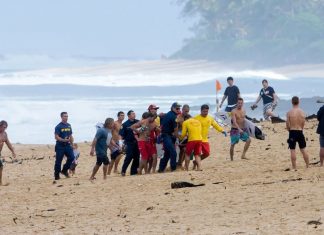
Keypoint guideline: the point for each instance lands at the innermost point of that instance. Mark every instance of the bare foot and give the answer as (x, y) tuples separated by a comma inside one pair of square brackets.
[(92, 178), (244, 158), (6, 184)]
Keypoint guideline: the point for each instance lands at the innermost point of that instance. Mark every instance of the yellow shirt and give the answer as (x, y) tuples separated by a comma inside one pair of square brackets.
[(157, 121), (193, 128), (206, 123)]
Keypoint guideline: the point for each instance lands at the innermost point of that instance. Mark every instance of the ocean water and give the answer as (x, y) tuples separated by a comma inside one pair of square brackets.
[(32, 100)]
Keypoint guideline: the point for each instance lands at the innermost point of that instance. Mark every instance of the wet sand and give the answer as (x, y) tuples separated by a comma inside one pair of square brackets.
[(256, 196)]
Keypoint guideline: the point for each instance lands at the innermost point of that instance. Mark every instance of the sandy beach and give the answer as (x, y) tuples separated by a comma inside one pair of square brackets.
[(256, 196)]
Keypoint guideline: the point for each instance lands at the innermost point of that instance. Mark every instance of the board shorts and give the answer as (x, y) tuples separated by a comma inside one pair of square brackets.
[(205, 149), (115, 153), (266, 107), (102, 159), (194, 147), (236, 136), (321, 138), (295, 137), (145, 149), (229, 108)]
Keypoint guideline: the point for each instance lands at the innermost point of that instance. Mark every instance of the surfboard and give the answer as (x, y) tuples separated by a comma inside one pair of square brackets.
[(253, 130)]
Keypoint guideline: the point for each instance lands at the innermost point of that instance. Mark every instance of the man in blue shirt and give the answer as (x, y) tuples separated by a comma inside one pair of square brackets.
[(269, 98), (100, 143), (232, 93), (169, 134), (132, 151), (64, 142), (320, 131)]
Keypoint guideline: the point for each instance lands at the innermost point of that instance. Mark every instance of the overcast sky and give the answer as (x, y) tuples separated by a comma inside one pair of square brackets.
[(108, 28)]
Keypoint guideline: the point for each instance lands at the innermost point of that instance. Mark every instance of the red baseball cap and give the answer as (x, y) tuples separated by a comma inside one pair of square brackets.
[(152, 106)]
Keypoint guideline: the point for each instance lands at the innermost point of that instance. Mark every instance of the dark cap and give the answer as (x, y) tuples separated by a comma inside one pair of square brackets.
[(230, 78), (175, 105), (152, 106)]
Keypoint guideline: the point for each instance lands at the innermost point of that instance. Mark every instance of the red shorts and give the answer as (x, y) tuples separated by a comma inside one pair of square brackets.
[(193, 146), (153, 149), (145, 149), (205, 149)]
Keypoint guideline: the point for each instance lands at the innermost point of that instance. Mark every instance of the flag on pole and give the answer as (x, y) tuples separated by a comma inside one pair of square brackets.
[(218, 86)]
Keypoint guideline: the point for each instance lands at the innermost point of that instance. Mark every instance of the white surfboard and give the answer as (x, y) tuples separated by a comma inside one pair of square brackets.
[(254, 131)]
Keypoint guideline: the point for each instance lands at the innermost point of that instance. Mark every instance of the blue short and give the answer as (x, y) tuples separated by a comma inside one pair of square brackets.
[(236, 136), (321, 141)]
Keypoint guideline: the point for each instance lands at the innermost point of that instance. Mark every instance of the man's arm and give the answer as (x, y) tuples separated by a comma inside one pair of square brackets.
[(223, 99), (10, 147), (216, 126), (288, 122), (257, 100), (93, 144)]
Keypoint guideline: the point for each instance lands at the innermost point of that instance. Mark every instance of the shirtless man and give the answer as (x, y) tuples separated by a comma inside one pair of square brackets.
[(295, 125), (142, 130), (238, 131), (116, 152), (4, 139)]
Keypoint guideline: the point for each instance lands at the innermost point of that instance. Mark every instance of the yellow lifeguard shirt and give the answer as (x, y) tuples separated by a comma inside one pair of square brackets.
[(206, 123), (193, 128)]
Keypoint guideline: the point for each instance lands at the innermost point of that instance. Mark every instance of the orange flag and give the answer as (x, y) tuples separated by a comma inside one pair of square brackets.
[(218, 86)]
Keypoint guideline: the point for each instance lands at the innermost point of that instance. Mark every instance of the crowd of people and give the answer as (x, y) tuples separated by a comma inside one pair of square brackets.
[(141, 140)]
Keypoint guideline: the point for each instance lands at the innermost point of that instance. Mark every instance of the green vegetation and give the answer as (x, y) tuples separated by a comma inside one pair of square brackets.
[(268, 32)]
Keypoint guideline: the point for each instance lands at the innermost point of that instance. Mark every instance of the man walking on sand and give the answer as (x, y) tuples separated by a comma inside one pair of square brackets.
[(320, 131), (132, 152), (295, 125), (64, 142), (232, 93), (269, 98), (206, 122), (4, 139), (238, 131), (169, 136), (116, 153), (100, 145)]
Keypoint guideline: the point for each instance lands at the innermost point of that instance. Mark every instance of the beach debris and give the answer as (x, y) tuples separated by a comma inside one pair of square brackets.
[(40, 158), (220, 182), (314, 163), (14, 220), (166, 193), (288, 180), (150, 208), (267, 148), (60, 185), (184, 184), (313, 116), (275, 120), (287, 169), (314, 222)]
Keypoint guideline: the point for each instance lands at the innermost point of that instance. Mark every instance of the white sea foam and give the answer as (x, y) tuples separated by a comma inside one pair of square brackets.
[(135, 74)]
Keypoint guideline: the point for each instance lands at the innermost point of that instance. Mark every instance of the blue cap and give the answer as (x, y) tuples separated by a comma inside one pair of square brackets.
[(175, 105)]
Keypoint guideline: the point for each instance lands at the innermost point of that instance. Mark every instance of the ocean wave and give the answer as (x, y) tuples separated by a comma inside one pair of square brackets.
[(136, 74)]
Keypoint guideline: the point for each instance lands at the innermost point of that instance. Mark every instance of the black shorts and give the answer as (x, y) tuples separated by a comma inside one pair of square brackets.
[(115, 154), (296, 137), (102, 159)]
